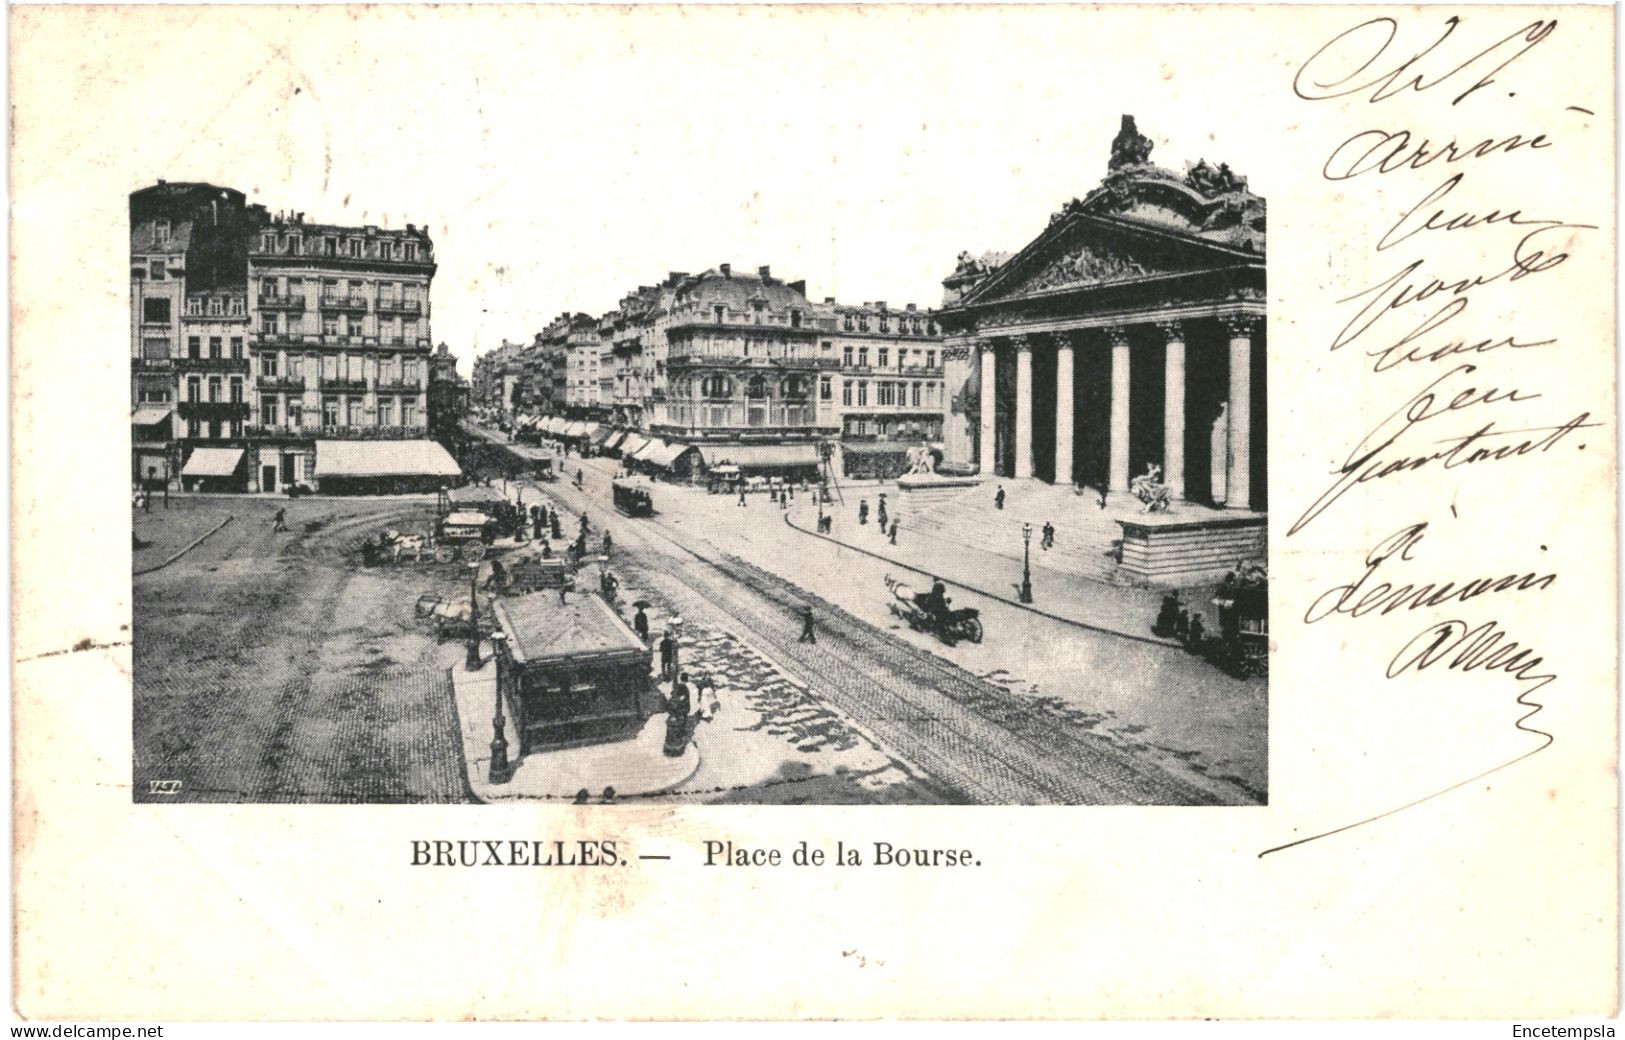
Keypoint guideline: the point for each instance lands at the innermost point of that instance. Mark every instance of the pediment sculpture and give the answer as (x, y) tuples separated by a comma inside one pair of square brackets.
[(1084, 265)]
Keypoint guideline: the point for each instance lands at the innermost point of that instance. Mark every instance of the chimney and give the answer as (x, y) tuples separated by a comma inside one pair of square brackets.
[(727, 270), (800, 287), (764, 272), (829, 301)]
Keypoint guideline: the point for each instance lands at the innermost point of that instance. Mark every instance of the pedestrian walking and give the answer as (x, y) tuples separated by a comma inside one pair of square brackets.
[(807, 634), (741, 494), (894, 532), (280, 523), (863, 512), (881, 513), (706, 703), (677, 718), (640, 624), (998, 498), (537, 530), (668, 656), (608, 543), (1049, 536), (553, 520)]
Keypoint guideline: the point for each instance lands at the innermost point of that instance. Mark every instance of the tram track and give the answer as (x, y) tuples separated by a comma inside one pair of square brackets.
[(965, 734)]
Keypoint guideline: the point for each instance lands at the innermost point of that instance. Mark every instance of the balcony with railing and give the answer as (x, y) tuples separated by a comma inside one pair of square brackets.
[(410, 308), (392, 385), (211, 364), (152, 364), (340, 341), (345, 384), (213, 411), (270, 301), (343, 302), (316, 431), (736, 417), (690, 357), (294, 384)]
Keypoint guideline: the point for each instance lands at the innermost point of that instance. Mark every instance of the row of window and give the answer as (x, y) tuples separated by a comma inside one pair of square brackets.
[(855, 393), (271, 324), (343, 366), (338, 289), (905, 326), (883, 357), (906, 430), (336, 245), (216, 307), (353, 410), (195, 386), (194, 347)]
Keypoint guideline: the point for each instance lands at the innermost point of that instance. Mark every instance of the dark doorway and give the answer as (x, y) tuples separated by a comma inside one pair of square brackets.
[(1147, 392), (1091, 415), (1044, 414), (267, 478), (1207, 387)]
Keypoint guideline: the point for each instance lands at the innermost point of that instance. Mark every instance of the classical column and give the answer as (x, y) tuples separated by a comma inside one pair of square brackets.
[(1118, 474), (1024, 407), (1239, 480), (1173, 410), (1063, 409), (986, 463)]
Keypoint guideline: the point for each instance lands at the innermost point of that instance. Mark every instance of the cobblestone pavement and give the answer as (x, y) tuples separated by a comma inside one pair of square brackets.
[(275, 668)]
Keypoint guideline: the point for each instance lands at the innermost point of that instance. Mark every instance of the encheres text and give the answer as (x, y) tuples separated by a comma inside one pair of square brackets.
[(582, 852)]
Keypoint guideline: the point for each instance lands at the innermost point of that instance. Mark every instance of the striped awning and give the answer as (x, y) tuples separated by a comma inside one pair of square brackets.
[(634, 443), (664, 453), (760, 456), (212, 462), (384, 459), (148, 414)]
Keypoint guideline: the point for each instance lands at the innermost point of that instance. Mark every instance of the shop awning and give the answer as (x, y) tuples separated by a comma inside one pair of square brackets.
[(877, 447), (384, 459), (476, 493), (148, 414), (615, 440), (600, 435), (760, 456), (576, 429), (634, 443), (664, 453), (212, 462)]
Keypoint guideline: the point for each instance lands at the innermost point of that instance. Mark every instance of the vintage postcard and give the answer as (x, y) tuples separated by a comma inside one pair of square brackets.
[(923, 511)]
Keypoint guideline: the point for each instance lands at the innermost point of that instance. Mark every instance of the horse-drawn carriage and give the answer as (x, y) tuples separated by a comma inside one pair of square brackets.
[(1244, 620), (930, 612)]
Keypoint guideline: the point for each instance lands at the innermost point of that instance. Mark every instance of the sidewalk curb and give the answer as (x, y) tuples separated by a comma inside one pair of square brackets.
[(193, 545), (1151, 639)]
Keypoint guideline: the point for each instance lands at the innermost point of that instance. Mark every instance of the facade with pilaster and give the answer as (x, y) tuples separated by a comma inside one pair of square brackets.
[(1128, 335)]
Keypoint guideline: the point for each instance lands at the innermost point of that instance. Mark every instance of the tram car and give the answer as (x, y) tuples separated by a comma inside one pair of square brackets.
[(632, 499)]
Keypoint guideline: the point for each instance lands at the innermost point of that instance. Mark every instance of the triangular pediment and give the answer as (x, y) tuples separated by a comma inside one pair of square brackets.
[(1082, 251)]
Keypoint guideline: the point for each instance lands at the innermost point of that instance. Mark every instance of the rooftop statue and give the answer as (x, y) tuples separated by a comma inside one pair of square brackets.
[(1129, 147)]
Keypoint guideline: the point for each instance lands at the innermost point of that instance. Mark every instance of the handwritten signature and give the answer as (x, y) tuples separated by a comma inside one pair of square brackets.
[(1416, 312)]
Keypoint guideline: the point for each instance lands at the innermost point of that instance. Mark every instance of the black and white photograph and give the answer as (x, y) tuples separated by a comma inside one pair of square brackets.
[(715, 535), (857, 511)]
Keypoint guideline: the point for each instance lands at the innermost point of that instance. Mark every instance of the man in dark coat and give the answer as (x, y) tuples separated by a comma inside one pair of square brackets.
[(668, 656), (807, 634), (640, 625), (998, 498)]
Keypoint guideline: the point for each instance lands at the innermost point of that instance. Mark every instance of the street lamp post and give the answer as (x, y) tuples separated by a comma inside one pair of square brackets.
[(473, 662), (1026, 563), (499, 741)]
